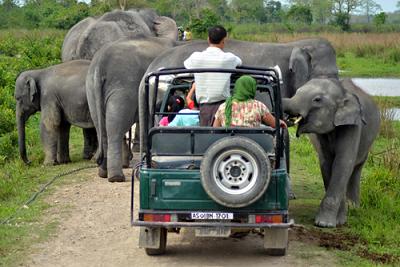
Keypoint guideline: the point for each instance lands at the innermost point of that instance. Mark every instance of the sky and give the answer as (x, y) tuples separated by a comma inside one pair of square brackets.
[(387, 5)]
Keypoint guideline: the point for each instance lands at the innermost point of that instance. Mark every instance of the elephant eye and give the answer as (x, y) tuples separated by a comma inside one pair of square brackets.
[(317, 99)]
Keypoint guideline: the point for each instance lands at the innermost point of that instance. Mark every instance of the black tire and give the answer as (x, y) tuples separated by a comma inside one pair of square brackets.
[(235, 171), (163, 244)]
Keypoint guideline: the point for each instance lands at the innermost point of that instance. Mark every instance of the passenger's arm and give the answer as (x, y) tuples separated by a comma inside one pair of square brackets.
[(217, 122), (189, 97), (269, 120)]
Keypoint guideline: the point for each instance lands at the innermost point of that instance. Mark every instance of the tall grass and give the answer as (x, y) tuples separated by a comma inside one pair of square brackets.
[(377, 219)]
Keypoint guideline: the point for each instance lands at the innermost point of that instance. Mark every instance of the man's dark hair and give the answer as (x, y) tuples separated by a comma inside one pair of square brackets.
[(216, 34)]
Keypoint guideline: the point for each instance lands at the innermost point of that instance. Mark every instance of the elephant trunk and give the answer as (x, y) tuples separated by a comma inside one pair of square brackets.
[(21, 119), (292, 107), (297, 114)]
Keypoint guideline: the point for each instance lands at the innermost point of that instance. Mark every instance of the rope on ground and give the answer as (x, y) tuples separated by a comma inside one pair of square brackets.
[(41, 190)]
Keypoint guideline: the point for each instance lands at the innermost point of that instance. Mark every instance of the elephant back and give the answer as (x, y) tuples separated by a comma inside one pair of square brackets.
[(72, 38), (85, 38)]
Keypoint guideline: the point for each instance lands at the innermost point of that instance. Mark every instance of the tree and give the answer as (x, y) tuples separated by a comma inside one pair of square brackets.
[(300, 14), (321, 10), (370, 7), (273, 11), (380, 19), (247, 11), (7, 5), (342, 10), (208, 18)]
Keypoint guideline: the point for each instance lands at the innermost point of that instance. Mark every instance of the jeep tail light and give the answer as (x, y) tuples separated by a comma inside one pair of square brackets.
[(269, 219), (157, 217)]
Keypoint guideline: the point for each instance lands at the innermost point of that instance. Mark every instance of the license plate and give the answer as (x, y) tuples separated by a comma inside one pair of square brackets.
[(212, 231), (211, 216)]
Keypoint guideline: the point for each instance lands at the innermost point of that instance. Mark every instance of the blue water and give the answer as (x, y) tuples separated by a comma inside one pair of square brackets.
[(379, 86)]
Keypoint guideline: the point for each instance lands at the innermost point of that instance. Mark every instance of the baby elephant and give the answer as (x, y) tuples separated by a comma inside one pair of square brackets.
[(344, 121), (58, 92)]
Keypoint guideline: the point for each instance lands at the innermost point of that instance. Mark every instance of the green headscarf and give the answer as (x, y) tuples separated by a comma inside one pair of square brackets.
[(245, 89)]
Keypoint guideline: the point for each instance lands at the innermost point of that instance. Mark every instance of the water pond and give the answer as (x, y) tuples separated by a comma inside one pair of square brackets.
[(381, 87)]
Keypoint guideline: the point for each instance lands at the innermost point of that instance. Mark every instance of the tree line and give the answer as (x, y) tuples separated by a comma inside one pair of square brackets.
[(198, 14)]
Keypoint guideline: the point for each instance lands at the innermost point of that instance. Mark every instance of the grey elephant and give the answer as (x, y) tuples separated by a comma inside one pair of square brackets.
[(299, 61), (85, 38), (343, 122), (112, 91), (58, 92)]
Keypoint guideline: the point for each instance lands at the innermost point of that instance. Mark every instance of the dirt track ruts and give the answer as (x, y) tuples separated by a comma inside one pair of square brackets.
[(94, 230)]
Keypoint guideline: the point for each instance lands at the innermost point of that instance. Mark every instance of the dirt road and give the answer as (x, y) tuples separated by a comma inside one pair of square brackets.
[(94, 230)]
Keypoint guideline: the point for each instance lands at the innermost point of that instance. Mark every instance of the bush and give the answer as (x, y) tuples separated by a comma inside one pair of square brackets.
[(199, 26)]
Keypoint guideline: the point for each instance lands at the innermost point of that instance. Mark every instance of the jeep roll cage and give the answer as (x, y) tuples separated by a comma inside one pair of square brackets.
[(269, 78)]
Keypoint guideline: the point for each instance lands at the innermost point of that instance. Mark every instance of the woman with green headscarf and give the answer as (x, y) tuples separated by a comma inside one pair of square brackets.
[(241, 109)]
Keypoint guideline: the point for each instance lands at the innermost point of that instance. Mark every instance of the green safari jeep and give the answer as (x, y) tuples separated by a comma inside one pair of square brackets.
[(215, 180)]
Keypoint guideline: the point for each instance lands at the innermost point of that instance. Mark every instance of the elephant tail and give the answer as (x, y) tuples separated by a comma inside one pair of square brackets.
[(96, 88)]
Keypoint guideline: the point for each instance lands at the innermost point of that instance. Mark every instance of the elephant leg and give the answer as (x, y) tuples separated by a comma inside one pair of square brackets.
[(89, 143), (346, 148), (63, 143), (120, 116), (136, 139), (353, 193), (49, 137), (102, 171), (342, 213), (126, 154), (353, 187), (114, 158), (325, 157)]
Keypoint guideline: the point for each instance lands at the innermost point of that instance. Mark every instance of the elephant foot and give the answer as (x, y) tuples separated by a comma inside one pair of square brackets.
[(102, 173), (327, 213), (117, 178)]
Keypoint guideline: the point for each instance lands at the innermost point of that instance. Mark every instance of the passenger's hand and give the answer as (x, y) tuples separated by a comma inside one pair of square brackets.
[(282, 124)]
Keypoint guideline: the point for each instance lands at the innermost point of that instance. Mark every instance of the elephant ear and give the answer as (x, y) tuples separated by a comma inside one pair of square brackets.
[(300, 66), (166, 27), (349, 112), (33, 91)]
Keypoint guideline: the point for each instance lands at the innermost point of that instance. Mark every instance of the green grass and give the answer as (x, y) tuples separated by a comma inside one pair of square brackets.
[(18, 182), (371, 66), (390, 101)]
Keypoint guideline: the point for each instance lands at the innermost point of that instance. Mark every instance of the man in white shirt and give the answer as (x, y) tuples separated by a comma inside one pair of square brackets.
[(212, 88)]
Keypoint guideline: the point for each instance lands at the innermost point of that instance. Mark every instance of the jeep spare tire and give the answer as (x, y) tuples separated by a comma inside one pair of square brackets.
[(235, 171)]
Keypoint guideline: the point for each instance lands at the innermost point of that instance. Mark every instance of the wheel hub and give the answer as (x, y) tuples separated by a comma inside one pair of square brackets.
[(235, 171)]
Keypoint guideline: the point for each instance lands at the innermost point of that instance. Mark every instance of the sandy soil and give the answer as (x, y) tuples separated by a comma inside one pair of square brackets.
[(94, 230)]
